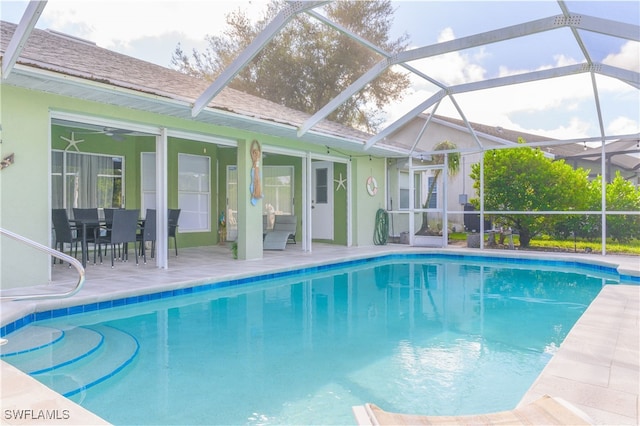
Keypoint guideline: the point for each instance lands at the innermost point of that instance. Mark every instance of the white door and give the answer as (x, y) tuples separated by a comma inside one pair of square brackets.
[(322, 200)]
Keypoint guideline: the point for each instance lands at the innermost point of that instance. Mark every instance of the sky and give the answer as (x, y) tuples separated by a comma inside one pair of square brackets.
[(561, 108)]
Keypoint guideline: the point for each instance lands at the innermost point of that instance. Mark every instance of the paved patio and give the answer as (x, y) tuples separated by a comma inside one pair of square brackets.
[(597, 368)]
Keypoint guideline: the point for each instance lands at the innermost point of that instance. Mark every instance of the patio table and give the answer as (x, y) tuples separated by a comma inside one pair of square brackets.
[(84, 223)]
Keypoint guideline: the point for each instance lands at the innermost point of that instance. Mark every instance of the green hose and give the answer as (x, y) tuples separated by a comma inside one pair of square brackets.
[(382, 228)]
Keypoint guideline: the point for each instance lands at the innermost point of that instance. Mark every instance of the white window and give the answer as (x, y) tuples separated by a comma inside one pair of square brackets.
[(90, 180), (194, 193), (433, 201), (277, 187), (277, 190), (403, 184)]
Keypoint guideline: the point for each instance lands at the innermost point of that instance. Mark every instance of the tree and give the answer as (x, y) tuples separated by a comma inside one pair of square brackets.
[(307, 63), (453, 167), (523, 179), (621, 195)]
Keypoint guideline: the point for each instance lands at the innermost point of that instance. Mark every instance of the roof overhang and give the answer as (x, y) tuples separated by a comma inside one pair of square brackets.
[(61, 83)]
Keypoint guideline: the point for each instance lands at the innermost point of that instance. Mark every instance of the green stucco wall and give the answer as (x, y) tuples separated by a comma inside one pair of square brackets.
[(365, 206), (25, 186)]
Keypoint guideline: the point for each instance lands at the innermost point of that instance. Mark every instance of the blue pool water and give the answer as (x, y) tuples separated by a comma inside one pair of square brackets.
[(438, 336)]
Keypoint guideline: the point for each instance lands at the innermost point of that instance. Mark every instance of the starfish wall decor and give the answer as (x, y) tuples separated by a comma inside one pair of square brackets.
[(72, 142), (341, 183)]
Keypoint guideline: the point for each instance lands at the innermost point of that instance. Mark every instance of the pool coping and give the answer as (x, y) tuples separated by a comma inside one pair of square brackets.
[(628, 416)]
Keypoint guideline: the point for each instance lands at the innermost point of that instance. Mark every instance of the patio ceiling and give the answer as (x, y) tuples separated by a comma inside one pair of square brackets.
[(587, 31)]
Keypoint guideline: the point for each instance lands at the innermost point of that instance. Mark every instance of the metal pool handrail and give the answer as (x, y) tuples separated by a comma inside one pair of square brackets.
[(55, 253)]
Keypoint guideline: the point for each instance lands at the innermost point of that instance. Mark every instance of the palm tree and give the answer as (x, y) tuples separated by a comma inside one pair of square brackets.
[(453, 168)]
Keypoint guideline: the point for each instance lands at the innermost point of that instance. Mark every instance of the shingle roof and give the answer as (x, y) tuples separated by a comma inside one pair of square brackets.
[(58, 52), (496, 131)]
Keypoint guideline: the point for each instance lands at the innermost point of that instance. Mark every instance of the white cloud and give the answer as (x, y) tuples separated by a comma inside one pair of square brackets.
[(576, 129), (627, 58), (446, 35), (570, 97), (118, 23), (623, 126)]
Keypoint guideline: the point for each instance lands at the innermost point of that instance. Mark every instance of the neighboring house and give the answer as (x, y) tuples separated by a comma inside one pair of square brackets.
[(88, 127), (622, 156)]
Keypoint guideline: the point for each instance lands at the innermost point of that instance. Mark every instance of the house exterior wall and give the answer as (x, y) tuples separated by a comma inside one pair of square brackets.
[(365, 206), (595, 170), (458, 185), (25, 186)]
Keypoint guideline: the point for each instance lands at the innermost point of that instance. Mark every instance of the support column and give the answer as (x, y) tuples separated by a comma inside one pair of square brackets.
[(249, 214), (162, 233)]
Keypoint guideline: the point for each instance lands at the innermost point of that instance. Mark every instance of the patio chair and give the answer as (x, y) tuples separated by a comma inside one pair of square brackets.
[(64, 232), (89, 215), (148, 234), (108, 216), (108, 220), (174, 215), (123, 231), (284, 229), (286, 223)]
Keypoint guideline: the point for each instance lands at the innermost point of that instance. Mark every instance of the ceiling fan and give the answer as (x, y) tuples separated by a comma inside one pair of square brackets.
[(113, 132)]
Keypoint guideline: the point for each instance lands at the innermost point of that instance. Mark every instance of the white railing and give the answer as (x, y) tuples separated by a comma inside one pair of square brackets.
[(58, 255)]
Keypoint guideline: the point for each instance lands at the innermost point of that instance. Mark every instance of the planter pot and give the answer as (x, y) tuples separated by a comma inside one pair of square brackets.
[(473, 240), (428, 241)]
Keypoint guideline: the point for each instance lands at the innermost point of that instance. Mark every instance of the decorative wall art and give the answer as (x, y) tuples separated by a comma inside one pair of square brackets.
[(255, 187), (73, 143), (372, 186), (341, 183)]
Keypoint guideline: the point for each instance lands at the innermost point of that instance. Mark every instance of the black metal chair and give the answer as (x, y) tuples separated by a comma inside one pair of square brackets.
[(108, 220), (65, 233), (148, 234), (108, 216), (124, 230), (89, 215), (174, 215)]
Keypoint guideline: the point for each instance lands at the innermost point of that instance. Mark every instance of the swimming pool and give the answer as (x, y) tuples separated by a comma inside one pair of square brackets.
[(438, 335)]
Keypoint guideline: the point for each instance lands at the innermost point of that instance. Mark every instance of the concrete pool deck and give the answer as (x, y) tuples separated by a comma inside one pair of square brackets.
[(596, 369)]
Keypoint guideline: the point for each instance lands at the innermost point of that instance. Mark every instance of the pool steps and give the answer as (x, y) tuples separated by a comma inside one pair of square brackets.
[(72, 360)]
